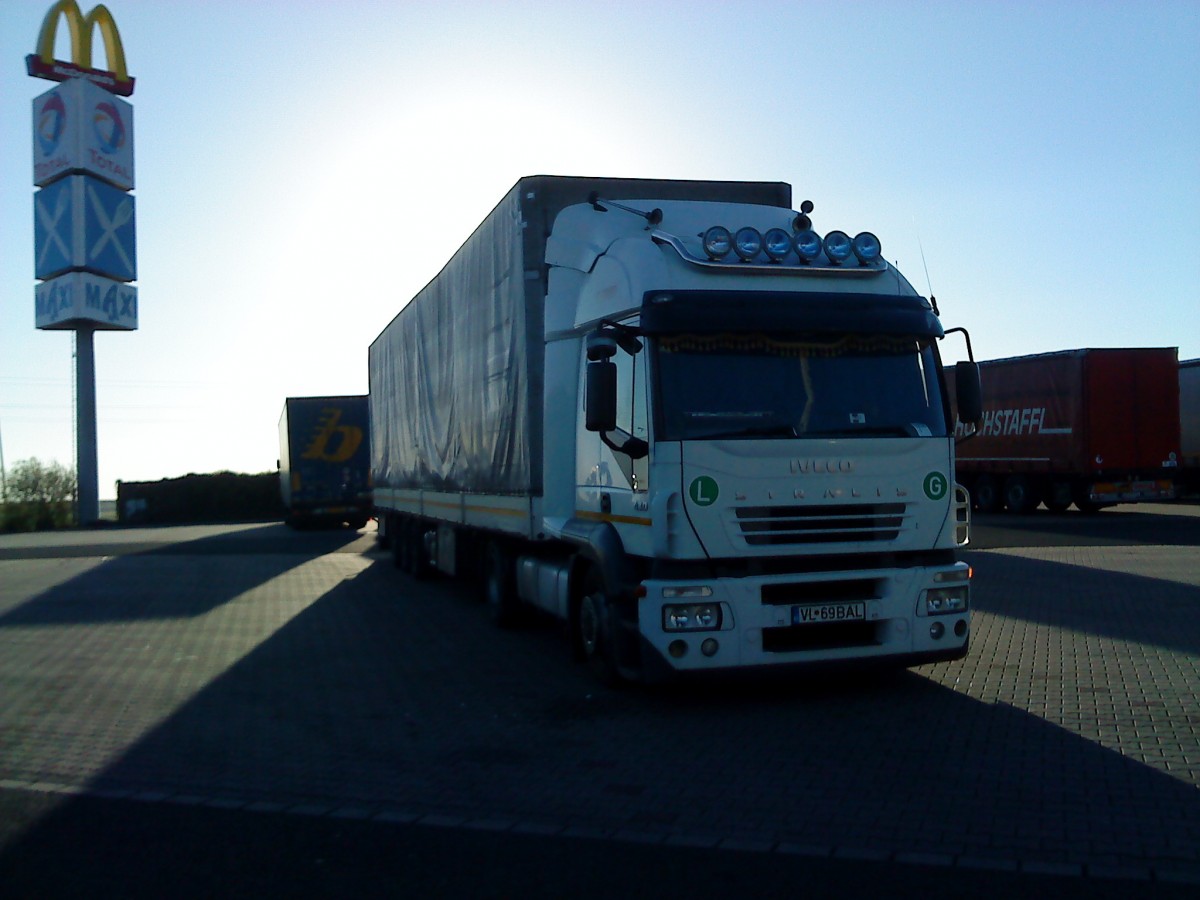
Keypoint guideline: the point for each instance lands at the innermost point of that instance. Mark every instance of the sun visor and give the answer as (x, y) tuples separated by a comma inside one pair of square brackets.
[(708, 312)]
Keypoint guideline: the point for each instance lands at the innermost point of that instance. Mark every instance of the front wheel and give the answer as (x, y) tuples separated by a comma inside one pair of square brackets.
[(593, 633)]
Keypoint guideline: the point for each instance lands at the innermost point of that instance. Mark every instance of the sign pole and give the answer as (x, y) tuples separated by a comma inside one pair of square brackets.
[(84, 214), (86, 466)]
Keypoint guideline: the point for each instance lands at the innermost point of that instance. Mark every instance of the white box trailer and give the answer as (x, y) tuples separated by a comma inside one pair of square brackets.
[(671, 414)]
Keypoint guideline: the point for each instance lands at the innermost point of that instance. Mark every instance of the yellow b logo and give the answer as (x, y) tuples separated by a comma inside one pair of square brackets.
[(333, 442)]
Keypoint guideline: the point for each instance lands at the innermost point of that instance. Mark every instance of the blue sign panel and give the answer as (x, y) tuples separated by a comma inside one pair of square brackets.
[(84, 224)]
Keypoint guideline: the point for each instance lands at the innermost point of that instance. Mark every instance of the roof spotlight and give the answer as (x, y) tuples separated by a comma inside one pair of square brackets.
[(747, 243), (866, 247), (808, 245), (837, 247), (717, 242), (777, 243)]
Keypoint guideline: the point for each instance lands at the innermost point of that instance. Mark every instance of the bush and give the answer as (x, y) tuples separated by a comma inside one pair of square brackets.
[(39, 496)]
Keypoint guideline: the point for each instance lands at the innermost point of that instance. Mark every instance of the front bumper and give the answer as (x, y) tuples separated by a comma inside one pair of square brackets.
[(854, 618)]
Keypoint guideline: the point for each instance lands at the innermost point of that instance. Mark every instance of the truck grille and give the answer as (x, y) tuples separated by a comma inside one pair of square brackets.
[(836, 524)]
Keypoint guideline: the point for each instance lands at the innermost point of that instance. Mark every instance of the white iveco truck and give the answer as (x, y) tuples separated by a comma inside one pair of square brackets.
[(677, 418)]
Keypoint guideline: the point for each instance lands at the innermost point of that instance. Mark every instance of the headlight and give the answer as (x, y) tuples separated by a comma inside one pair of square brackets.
[(942, 601), (777, 243), (837, 247), (808, 245), (747, 243), (866, 247), (717, 242), (692, 617)]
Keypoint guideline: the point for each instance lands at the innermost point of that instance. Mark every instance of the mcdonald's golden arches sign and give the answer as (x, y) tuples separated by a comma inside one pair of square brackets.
[(81, 27)]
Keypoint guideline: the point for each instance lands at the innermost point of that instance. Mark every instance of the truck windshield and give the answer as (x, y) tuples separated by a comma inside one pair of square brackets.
[(769, 386)]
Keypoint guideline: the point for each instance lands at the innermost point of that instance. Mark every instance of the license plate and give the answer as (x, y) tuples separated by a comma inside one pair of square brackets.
[(826, 613)]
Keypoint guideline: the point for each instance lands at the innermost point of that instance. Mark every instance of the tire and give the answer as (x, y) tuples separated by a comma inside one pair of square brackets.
[(418, 559), (592, 635), (499, 588), (1058, 498), (986, 494), (400, 556), (1019, 496), (1090, 507)]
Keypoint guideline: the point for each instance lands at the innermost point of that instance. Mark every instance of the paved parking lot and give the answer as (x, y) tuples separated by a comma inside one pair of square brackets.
[(255, 669)]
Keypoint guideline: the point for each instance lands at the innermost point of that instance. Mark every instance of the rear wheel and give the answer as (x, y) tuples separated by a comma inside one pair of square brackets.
[(499, 590), (986, 494), (1019, 496), (1085, 505), (398, 539), (1058, 498), (419, 565)]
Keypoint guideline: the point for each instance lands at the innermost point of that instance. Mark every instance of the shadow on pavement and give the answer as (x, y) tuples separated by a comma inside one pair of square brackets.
[(386, 695), (1156, 612), (1123, 526), (159, 578)]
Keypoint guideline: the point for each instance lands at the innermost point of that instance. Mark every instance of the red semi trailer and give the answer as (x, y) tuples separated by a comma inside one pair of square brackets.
[(1089, 427), (1189, 427)]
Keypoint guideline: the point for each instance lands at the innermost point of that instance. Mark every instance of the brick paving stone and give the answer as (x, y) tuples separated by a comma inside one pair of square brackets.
[(1068, 740)]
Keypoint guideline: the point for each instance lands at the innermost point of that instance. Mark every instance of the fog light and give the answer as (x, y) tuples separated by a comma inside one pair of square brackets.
[(691, 617), (940, 601), (960, 628), (710, 647), (678, 649), (936, 630)]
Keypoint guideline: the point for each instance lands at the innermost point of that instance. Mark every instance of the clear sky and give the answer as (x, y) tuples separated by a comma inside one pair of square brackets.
[(303, 168)]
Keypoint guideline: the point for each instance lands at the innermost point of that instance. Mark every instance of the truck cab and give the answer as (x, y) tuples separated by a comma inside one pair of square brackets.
[(763, 453)]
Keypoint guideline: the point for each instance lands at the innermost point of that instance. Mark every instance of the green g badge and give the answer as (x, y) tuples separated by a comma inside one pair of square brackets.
[(936, 485)]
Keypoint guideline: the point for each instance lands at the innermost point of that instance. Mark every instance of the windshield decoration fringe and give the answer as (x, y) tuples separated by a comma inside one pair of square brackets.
[(753, 343)]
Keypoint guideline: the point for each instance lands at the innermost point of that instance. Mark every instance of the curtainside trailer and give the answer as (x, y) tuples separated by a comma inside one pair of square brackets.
[(1189, 426), (324, 461), (1093, 427)]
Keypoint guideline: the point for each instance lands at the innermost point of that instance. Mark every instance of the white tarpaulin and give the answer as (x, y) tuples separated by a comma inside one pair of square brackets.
[(450, 376)]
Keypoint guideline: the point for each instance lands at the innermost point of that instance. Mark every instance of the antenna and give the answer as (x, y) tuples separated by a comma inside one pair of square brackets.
[(928, 283)]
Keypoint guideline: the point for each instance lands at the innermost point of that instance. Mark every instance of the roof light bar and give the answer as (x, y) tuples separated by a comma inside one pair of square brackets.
[(777, 244)]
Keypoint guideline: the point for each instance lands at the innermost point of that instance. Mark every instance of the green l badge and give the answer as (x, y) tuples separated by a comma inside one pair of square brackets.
[(703, 491)]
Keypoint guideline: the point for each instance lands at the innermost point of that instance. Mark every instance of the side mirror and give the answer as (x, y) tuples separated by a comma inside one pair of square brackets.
[(601, 400), (968, 392)]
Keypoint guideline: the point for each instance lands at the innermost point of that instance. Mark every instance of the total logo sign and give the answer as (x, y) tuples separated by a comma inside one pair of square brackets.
[(79, 127)]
